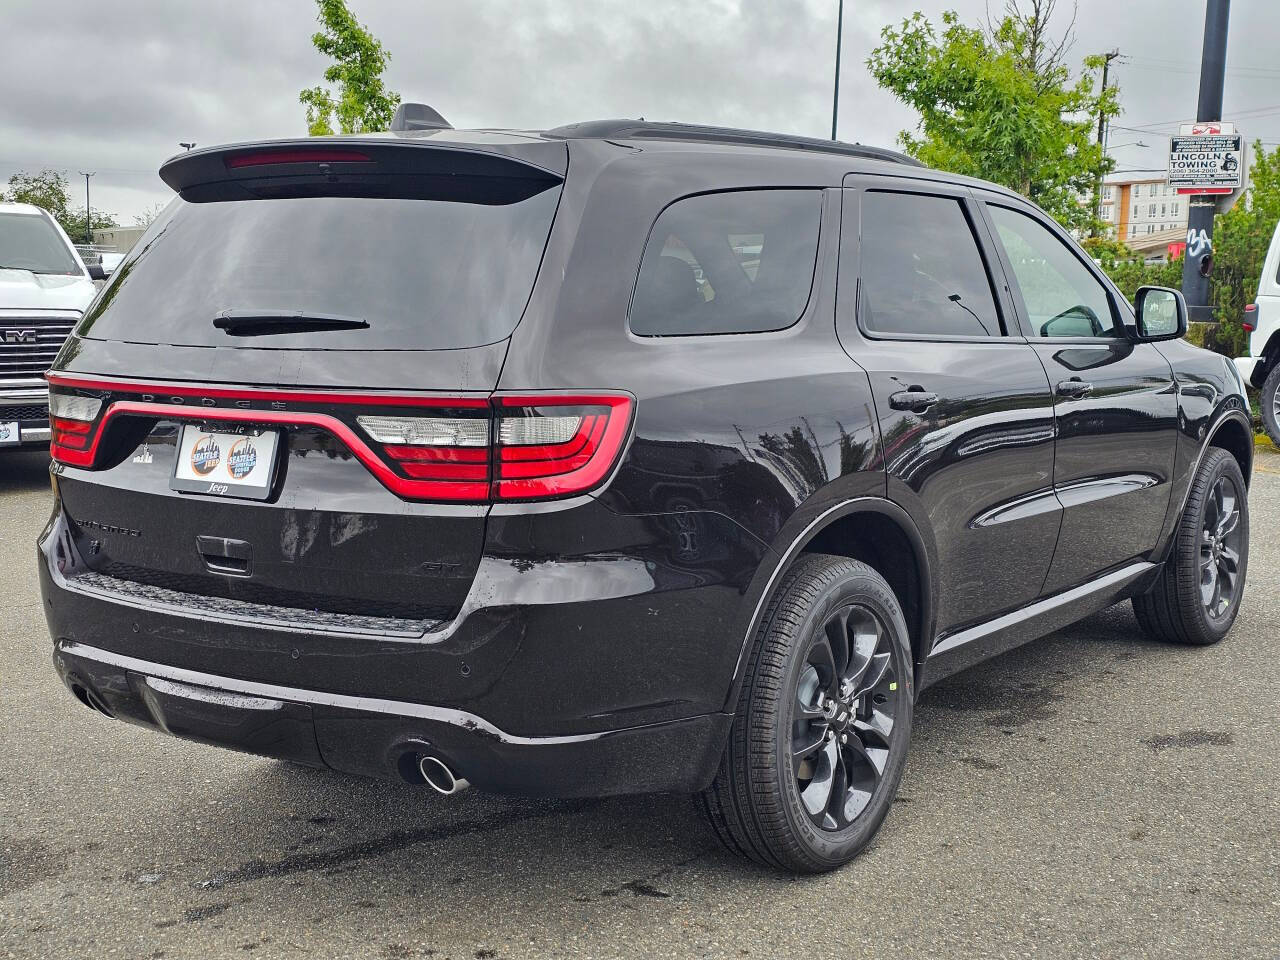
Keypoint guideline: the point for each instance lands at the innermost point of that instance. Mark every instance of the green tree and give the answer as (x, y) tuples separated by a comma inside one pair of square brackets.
[(1241, 237), (73, 223), (361, 104), (50, 189), (47, 189), (999, 103)]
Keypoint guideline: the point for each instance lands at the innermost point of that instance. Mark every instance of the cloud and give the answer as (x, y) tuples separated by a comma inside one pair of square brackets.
[(113, 88)]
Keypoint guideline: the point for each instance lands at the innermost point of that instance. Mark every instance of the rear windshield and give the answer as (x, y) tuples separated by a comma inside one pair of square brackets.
[(422, 274), (30, 242)]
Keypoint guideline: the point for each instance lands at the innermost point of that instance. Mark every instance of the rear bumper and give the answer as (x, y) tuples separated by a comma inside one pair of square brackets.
[(30, 410), (585, 673), (383, 738)]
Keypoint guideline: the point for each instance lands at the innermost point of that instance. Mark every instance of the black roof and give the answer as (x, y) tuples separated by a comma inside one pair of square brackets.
[(696, 133)]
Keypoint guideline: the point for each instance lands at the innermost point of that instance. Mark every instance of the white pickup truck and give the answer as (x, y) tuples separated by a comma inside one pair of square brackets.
[(44, 289)]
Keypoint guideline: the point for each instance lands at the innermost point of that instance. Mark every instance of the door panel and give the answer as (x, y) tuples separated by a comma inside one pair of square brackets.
[(979, 464), (1115, 454), (967, 421), (1115, 400)]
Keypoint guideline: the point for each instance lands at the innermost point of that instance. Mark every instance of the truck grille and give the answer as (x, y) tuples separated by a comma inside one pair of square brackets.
[(26, 356), (31, 411)]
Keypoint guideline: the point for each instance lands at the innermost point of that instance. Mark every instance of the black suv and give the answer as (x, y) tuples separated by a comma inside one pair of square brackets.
[(616, 457)]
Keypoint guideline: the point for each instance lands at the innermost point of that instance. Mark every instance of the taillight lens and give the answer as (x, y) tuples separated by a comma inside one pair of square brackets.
[(557, 446), (71, 419), (448, 455), (451, 449), (1250, 321)]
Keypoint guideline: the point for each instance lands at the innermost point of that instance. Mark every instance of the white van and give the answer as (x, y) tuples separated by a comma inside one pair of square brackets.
[(44, 289)]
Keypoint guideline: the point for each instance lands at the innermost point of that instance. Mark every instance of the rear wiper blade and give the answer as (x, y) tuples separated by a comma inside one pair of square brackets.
[(260, 323)]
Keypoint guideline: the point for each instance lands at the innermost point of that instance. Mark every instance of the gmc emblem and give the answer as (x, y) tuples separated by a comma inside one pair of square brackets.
[(17, 336)]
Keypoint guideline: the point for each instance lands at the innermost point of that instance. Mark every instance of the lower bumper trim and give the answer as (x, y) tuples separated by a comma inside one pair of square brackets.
[(384, 738)]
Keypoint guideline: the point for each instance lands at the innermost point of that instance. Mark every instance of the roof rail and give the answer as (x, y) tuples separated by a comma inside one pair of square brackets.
[(692, 132)]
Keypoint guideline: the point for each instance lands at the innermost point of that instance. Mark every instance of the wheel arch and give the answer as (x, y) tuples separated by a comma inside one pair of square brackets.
[(877, 532), (1234, 434)]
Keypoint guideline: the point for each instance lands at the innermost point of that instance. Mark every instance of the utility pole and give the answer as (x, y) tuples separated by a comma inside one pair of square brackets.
[(835, 97), (88, 230), (1102, 138), (1200, 209)]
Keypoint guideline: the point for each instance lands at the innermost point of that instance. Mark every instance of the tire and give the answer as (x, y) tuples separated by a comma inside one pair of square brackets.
[(1182, 606), (755, 804), (1269, 401)]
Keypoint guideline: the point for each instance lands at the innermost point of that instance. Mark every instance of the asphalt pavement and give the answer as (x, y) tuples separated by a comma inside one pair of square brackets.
[(1090, 795)]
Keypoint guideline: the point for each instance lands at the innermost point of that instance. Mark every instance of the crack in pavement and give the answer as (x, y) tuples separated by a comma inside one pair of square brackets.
[(388, 843)]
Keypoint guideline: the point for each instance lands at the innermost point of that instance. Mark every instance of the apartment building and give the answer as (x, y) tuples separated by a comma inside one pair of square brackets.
[(1138, 209)]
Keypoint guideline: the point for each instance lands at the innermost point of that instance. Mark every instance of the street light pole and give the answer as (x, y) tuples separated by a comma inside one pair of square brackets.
[(88, 220), (1102, 138), (835, 97), (1200, 209)]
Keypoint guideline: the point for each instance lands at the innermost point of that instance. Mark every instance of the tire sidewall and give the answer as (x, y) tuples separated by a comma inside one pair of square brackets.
[(1214, 629), (836, 848), (1267, 403)]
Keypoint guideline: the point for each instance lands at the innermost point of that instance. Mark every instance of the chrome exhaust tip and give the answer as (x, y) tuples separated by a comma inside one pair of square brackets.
[(439, 777)]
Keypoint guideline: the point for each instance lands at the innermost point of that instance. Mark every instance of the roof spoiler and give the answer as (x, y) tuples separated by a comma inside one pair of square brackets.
[(370, 166)]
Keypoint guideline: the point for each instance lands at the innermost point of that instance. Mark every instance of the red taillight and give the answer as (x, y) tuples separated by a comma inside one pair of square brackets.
[(578, 457), (265, 158), (72, 439), (452, 449), (1250, 321)]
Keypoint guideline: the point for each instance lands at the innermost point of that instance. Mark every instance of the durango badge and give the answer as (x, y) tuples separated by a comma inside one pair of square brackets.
[(205, 456), (242, 458)]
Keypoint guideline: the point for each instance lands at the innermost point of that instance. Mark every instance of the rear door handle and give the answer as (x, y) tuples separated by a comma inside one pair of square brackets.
[(914, 398), (1075, 387)]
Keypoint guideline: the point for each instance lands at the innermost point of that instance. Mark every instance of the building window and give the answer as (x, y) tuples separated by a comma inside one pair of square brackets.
[(1135, 211), (1174, 210), (1151, 210), (1152, 191), (1106, 193), (1164, 210)]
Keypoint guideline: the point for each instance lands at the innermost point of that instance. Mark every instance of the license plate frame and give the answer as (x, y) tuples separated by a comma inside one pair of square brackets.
[(232, 461)]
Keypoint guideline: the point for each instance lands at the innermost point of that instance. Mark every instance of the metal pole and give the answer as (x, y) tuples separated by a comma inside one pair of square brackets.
[(1199, 257), (1102, 139), (88, 231), (835, 97)]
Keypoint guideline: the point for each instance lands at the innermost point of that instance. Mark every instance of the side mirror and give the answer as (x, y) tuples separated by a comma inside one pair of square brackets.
[(1162, 314), (95, 271)]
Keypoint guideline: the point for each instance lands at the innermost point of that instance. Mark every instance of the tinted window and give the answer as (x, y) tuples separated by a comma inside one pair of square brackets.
[(921, 272), (424, 274), (31, 242), (1062, 298), (728, 263)]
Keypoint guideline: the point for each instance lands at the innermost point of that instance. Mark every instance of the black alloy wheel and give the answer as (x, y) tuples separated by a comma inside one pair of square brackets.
[(1197, 595), (819, 737), (1221, 540), (844, 710)]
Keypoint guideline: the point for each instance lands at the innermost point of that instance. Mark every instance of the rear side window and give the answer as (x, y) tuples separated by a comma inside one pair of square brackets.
[(424, 274), (921, 271), (739, 262)]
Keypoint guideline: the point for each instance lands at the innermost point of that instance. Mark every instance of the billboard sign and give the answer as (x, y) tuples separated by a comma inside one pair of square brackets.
[(1206, 158)]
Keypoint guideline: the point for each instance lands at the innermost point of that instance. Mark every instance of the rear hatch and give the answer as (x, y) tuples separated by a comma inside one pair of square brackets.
[(282, 398)]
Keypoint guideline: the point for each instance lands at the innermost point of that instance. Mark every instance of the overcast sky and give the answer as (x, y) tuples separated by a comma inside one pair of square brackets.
[(113, 87)]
